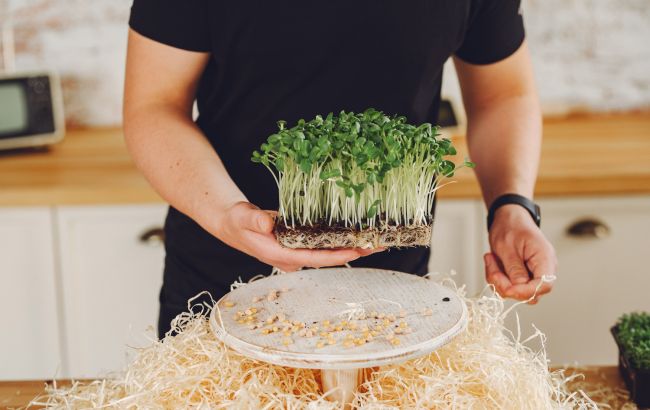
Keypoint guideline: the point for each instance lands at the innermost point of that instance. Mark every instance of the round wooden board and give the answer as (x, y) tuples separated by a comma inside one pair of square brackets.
[(317, 295)]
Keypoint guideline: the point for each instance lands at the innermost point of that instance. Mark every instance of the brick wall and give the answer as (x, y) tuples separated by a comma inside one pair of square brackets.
[(588, 54)]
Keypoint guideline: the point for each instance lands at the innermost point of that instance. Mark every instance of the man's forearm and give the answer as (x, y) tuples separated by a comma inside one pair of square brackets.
[(504, 140), (179, 162)]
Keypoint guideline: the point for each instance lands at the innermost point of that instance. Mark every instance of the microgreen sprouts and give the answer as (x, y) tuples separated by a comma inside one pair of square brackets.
[(633, 332), (361, 170)]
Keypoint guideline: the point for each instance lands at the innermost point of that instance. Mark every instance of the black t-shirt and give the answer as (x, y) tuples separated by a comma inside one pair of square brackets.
[(290, 59)]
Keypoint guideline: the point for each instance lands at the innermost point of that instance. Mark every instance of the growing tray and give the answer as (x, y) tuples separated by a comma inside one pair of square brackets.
[(636, 380)]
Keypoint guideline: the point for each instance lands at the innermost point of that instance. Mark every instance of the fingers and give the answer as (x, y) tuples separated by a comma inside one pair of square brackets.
[(266, 248), (494, 275), (513, 265)]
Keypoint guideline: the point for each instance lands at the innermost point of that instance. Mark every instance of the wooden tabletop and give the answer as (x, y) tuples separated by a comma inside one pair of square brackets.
[(603, 384), (581, 155)]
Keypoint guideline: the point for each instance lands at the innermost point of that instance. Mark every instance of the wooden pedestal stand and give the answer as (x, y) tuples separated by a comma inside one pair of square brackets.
[(362, 299)]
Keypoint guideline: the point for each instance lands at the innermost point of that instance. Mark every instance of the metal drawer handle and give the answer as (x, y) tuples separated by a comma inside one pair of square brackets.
[(153, 236), (588, 228)]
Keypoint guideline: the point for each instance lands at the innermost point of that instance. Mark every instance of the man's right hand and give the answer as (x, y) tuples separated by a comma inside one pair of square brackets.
[(249, 229)]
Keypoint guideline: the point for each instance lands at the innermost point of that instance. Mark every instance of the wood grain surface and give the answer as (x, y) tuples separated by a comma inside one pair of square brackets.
[(431, 315), (581, 155)]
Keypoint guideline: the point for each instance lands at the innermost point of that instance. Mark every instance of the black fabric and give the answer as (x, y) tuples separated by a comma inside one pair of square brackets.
[(290, 59)]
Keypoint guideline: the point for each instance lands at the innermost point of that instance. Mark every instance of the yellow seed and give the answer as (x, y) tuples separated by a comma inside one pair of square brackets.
[(254, 310), (403, 324), (228, 304), (373, 314), (314, 328), (364, 329), (386, 322), (344, 322), (374, 333), (391, 318), (287, 341), (241, 321), (326, 322), (324, 334), (379, 328), (275, 328), (349, 336), (395, 342), (427, 312), (338, 328), (266, 331), (331, 341), (381, 316), (348, 343), (320, 345), (359, 342), (241, 314)]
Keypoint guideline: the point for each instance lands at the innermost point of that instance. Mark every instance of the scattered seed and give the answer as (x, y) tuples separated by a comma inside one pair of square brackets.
[(395, 342), (427, 312), (228, 304), (320, 345), (287, 341)]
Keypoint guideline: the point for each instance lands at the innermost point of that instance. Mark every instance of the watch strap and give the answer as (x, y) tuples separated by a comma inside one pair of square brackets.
[(507, 199)]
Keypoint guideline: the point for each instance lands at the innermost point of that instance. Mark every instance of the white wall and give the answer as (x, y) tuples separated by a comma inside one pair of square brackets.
[(589, 54)]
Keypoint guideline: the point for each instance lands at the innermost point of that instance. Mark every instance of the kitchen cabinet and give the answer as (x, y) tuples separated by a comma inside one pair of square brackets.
[(30, 343), (111, 270), (458, 243), (604, 271)]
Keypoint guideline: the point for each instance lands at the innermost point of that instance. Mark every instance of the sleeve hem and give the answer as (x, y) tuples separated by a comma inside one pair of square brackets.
[(504, 53)]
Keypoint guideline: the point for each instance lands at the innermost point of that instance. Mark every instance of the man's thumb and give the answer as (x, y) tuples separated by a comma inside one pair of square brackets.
[(257, 220)]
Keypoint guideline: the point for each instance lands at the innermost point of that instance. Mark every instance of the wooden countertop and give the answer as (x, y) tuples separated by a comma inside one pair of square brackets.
[(603, 385), (581, 155)]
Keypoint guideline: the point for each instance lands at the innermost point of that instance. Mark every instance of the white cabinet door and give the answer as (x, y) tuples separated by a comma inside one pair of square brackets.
[(599, 278), (457, 242), (111, 280), (29, 341)]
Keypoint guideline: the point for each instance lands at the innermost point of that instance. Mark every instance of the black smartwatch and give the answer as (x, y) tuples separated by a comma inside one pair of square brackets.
[(506, 199)]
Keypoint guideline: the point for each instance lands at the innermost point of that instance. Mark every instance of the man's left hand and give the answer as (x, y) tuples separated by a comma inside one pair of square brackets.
[(521, 256)]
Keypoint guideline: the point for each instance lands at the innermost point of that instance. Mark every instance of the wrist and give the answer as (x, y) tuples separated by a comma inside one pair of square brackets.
[(513, 206)]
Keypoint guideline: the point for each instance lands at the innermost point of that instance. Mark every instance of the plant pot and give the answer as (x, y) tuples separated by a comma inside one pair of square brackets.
[(636, 380)]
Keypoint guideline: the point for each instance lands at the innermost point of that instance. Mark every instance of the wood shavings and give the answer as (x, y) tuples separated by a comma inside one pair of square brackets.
[(485, 367)]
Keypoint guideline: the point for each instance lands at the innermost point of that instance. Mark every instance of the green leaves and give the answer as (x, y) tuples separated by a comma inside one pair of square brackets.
[(633, 331), (357, 152)]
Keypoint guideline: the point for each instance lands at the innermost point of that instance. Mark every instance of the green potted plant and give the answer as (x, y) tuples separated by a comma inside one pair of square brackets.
[(356, 180), (632, 335)]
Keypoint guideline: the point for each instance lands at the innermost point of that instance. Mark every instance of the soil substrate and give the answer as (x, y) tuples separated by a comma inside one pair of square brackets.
[(329, 237)]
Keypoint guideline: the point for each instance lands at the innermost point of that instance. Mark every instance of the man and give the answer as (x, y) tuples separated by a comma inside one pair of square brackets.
[(251, 63)]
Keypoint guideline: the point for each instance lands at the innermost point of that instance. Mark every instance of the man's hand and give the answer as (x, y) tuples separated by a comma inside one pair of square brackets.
[(520, 256), (247, 228)]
